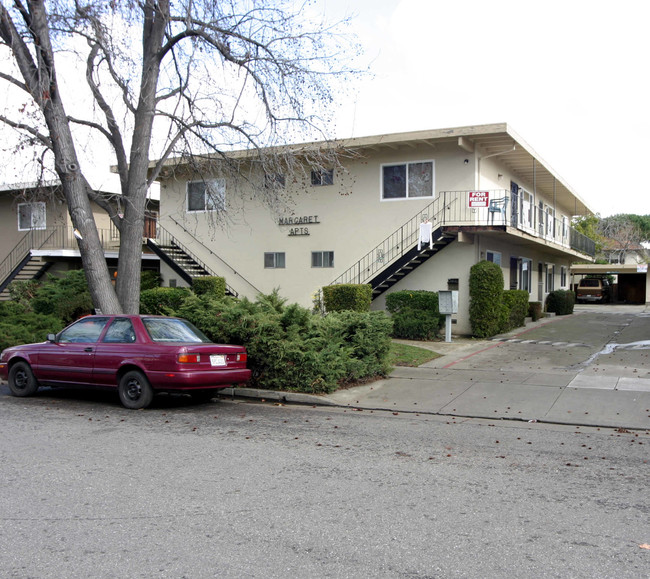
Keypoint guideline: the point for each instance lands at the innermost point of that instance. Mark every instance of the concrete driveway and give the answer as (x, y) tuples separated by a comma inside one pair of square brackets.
[(590, 368)]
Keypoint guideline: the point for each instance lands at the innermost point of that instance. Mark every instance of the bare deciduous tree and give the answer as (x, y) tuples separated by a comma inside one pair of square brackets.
[(166, 79)]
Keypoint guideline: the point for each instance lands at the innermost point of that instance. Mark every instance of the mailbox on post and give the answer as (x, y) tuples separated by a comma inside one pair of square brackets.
[(447, 305), (448, 302)]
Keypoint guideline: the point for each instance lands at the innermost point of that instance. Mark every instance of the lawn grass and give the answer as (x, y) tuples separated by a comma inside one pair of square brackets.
[(405, 355)]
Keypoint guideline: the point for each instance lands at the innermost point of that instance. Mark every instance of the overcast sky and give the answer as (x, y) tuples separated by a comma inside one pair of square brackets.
[(571, 77)]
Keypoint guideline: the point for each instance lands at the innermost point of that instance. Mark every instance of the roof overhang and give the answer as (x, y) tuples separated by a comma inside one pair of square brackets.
[(606, 268), (481, 140)]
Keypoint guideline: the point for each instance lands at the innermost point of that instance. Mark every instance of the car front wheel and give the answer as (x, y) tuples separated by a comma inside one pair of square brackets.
[(22, 381), (134, 390)]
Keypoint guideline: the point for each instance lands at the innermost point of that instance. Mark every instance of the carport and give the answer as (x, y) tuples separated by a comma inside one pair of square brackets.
[(631, 286)]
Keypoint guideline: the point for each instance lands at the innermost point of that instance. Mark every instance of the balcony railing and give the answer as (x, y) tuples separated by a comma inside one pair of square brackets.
[(51, 238), (453, 208), (513, 210)]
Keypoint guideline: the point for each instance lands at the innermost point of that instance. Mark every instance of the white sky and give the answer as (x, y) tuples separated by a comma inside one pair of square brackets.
[(571, 77)]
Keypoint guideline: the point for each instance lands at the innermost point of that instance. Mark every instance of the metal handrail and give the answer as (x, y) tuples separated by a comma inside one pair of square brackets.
[(396, 244), (61, 237), (452, 208), (169, 238)]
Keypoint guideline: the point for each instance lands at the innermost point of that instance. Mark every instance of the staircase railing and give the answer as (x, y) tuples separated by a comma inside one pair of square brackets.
[(49, 238), (398, 243), (166, 238)]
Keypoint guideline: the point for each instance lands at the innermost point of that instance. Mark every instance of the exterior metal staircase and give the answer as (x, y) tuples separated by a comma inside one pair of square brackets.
[(180, 258), (411, 260), (30, 267), (398, 254)]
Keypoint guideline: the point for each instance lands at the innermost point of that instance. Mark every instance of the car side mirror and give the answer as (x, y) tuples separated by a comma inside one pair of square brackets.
[(51, 337)]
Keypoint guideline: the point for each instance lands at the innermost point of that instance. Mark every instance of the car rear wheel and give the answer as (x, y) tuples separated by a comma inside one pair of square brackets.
[(22, 381), (134, 390)]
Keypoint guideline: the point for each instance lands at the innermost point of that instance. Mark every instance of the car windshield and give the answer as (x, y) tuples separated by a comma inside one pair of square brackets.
[(173, 330)]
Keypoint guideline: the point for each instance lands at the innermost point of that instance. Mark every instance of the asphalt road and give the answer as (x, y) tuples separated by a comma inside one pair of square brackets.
[(233, 490)]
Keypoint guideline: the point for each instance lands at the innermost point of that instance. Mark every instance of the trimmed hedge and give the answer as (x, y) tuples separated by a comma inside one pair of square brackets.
[(415, 314), (516, 304), (347, 296), (486, 310), (561, 302), (209, 285), (535, 310), (162, 300)]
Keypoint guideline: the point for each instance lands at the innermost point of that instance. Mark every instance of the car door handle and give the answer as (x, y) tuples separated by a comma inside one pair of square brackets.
[(88, 350)]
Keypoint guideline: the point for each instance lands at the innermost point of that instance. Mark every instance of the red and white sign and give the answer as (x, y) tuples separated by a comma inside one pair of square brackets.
[(479, 198)]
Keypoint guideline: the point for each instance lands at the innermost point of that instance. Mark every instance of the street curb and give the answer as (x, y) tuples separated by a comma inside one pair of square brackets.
[(314, 400)]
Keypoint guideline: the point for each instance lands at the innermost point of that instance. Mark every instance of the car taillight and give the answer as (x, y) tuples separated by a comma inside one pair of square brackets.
[(242, 357), (189, 358)]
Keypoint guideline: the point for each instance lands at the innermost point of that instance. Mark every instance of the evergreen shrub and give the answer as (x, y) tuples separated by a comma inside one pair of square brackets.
[(162, 300), (209, 285), (291, 349), (415, 314), (561, 302), (342, 297), (486, 309), (516, 304), (535, 310)]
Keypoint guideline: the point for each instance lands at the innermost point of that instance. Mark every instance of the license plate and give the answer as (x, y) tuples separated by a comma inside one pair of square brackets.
[(217, 360)]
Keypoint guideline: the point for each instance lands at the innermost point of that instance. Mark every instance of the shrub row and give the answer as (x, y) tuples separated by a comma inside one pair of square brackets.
[(290, 348)]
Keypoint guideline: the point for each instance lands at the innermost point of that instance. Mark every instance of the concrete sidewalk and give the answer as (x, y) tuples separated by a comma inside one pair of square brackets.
[(528, 375)]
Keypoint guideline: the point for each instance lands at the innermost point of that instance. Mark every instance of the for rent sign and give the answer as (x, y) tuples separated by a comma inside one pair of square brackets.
[(479, 198)]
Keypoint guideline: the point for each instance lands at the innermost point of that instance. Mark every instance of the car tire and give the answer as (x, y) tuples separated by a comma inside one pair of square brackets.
[(22, 381), (135, 391)]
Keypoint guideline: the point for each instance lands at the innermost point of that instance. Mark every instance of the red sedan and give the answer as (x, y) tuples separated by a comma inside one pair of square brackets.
[(139, 355)]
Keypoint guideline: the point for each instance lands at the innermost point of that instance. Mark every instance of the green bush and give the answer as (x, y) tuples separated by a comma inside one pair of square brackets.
[(355, 297), (25, 327), (162, 300), (487, 313), (65, 297), (415, 314), (289, 348), (561, 302), (516, 304), (149, 279), (209, 285), (535, 310)]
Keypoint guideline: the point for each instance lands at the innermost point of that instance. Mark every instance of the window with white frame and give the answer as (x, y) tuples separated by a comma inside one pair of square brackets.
[(206, 195), (563, 276), (407, 180), (550, 277), (322, 177), (322, 259), (527, 208), (550, 221), (526, 274), (31, 216), (493, 256), (274, 260), (565, 227)]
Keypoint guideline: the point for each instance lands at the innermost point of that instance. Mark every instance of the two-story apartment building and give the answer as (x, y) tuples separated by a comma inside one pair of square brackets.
[(37, 236), (401, 211)]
